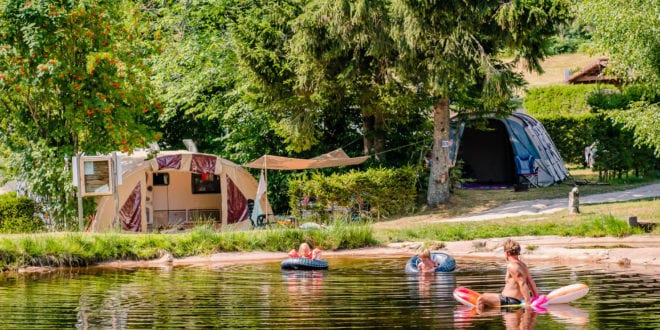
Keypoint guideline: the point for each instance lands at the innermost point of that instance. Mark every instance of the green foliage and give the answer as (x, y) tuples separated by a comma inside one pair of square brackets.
[(450, 51), (602, 100), (571, 134), (628, 32), (569, 39), (643, 120), (73, 79), (385, 191), (195, 73), (565, 113), (17, 215), (629, 133), (616, 153), (456, 174), (560, 100), (591, 226), (629, 35), (636, 111), (343, 54), (83, 249)]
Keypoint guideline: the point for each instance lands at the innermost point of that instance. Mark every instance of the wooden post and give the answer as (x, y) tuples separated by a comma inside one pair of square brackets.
[(574, 201), (77, 174)]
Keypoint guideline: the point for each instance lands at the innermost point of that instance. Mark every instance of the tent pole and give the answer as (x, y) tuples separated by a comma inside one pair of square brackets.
[(266, 179)]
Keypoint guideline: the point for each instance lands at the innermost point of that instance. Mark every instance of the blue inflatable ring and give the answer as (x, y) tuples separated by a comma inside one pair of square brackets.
[(304, 264), (446, 263)]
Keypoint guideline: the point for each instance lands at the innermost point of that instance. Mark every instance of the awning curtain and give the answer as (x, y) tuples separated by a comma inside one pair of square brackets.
[(332, 159)]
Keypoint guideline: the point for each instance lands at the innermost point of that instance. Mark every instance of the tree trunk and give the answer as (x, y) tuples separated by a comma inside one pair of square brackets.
[(438, 191), (367, 129), (379, 137), (373, 138)]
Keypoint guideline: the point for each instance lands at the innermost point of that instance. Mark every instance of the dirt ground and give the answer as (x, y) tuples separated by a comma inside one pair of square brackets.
[(630, 254)]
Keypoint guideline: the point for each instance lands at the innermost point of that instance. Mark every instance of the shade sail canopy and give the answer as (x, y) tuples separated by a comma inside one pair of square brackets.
[(331, 159)]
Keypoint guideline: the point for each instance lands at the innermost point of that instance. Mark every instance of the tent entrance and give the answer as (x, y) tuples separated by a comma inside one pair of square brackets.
[(180, 199), (487, 155)]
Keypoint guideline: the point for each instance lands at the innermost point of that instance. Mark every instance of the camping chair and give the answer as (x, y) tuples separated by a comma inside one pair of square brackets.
[(526, 170), (262, 219)]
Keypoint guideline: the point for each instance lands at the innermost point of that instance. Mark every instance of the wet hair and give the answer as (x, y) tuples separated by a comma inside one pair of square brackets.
[(512, 247)]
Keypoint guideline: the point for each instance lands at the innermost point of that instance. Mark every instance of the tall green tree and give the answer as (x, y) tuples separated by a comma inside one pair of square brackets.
[(450, 50), (343, 55), (196, 72), (629, 33), (209, 74), (73, 79)]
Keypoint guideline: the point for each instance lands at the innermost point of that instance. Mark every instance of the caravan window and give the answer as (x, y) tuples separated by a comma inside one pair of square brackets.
[(161, 179), (205, 183)]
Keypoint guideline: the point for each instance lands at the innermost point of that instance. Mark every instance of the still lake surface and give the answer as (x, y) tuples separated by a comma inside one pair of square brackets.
[(362, 293)]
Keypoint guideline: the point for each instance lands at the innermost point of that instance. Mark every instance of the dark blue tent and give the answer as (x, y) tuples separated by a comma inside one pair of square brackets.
[(489, 154)]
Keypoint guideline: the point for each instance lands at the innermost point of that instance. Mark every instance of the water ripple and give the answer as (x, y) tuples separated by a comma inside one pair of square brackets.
[(363, 293)]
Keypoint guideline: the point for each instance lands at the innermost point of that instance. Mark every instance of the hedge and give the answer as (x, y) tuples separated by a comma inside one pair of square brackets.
[(17, 214), (567, 100), (571, 134), (381, 191)]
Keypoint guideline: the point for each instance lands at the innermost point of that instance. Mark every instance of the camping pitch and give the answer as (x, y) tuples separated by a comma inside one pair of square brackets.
[(175, 190), (509, 151)]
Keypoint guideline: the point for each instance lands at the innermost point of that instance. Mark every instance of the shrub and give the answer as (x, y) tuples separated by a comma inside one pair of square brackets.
[(574, 117), (571, 134), (384, 191), (17, 215), (560, 100)]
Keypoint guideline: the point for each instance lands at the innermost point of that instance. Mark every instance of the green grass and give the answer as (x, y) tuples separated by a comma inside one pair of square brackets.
[(81, 249), (589, 226)]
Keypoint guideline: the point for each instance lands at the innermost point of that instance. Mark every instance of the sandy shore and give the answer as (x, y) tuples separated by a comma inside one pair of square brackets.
[(634, 253)]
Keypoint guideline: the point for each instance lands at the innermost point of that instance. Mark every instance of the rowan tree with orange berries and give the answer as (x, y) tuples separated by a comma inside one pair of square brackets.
[(73, 79)]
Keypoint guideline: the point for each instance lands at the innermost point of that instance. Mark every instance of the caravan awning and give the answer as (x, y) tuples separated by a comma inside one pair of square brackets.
[(332, 159)]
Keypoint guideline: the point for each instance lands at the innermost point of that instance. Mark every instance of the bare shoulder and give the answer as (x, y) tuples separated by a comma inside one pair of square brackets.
[(516, 267)]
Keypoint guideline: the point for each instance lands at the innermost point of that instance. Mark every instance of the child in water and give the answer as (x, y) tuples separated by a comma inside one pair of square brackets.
[(304, 251), (426, 264)]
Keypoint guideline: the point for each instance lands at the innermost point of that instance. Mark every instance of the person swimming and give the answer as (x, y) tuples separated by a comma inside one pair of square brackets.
[(305, 251), (426, 263)]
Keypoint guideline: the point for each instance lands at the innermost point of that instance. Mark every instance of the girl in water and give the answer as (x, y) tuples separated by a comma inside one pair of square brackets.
[(304, 251)]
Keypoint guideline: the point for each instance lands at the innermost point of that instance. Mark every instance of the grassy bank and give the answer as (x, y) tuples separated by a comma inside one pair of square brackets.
[(594, 226), (83, 249)]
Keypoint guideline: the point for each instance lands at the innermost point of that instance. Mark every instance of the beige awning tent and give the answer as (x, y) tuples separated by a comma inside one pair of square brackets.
[(331, 159)]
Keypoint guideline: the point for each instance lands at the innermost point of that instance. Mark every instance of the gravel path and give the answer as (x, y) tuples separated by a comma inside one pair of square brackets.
[(541, 206)]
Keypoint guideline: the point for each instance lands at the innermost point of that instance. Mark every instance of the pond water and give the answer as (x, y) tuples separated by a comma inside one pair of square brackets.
[(364, 293)]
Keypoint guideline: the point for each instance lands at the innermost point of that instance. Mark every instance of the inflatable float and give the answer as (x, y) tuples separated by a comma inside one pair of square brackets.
[(562, 295), (446, 263), (304, 264)]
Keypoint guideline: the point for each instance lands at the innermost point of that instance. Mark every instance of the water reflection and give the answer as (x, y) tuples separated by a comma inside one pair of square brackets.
[(520, 318), (570, 315), (304, 288), (363, 293)]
